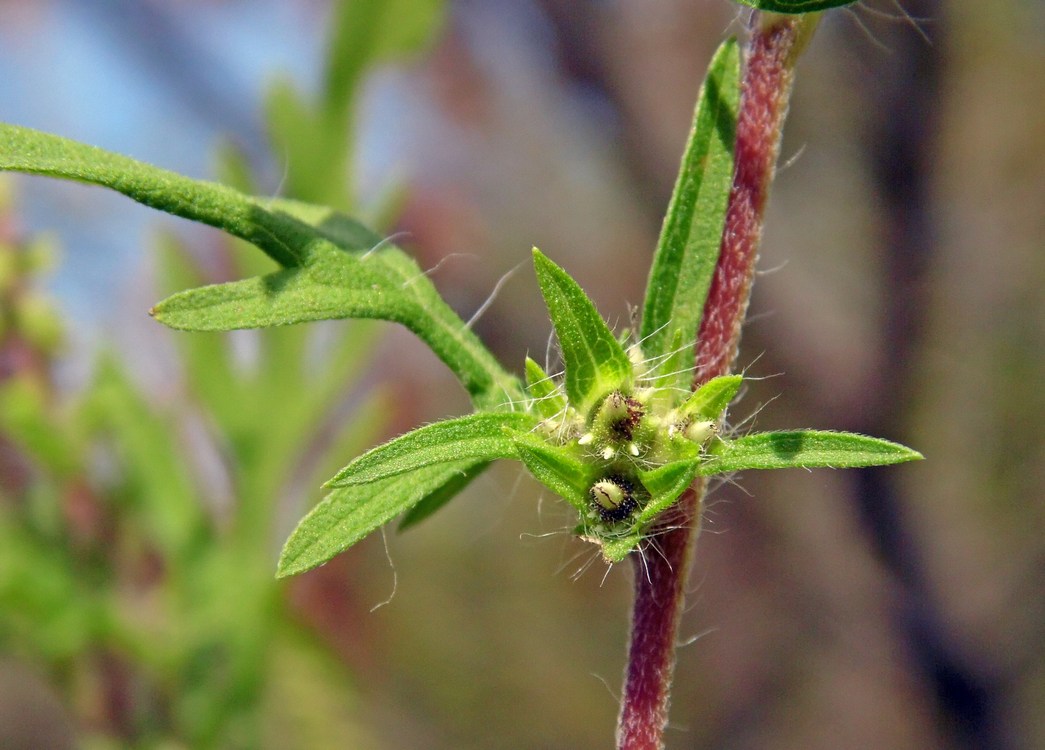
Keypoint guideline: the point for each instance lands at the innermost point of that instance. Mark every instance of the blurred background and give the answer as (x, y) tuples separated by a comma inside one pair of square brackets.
[(148, 478)]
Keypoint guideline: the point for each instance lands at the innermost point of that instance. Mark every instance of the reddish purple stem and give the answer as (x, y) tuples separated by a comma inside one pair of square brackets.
[(661, 569)]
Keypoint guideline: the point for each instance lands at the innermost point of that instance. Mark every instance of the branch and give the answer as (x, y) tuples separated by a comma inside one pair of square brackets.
[(662, 565)]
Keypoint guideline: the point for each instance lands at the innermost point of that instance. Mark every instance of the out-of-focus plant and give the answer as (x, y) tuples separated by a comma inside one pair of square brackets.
[(636, 421), (153, 610), (156, 615)]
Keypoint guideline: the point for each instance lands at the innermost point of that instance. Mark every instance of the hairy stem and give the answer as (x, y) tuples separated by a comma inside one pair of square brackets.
[(662, 567)]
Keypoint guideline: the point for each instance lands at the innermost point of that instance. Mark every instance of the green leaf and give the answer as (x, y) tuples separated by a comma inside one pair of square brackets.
[(283, 238), (543, 390), (795, 6), (712, 398), (666, 484), (687, 250), (481, 437), (803, 449), (595, 361), (293, 295), (558, 469), (440, 497), (351, 437), (320, 279), (348, 514), (383, 283)]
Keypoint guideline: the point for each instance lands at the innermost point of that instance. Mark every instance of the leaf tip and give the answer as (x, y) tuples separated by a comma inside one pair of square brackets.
[(291, 563), (286, 569), (900, 454)]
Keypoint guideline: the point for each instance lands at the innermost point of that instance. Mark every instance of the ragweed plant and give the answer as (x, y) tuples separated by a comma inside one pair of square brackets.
[(617, 437), (627, 433)]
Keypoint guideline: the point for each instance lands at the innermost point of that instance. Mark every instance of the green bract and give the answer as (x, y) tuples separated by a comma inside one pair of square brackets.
[(620, 436)]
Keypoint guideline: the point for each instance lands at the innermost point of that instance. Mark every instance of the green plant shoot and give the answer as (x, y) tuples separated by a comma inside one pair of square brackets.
[(620, 436)]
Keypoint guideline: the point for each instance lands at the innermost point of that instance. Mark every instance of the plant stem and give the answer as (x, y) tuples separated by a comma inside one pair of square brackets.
[(662, 566)]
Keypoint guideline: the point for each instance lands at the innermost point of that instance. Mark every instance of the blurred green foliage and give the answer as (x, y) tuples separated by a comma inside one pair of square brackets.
[(152, 607)]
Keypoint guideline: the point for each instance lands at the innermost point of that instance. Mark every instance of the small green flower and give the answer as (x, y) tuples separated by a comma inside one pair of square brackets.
[(614, 437), (626, 429), (627, 434)]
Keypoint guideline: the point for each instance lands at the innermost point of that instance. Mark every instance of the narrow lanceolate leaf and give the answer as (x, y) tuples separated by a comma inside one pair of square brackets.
[(348, 514), (595, 361), (712, 398), (440, 497), (27, 150), (479, 437), (689, 240), (795, 6), (333, 267), (546, 396), (803, 449), (382, 283), (557, 469)]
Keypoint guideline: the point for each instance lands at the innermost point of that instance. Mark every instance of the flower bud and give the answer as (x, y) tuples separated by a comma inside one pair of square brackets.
[(613, 498)]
